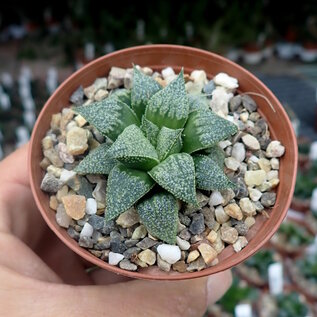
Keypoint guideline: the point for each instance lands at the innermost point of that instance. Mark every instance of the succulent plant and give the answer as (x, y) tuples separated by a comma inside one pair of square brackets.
[(161, 145)]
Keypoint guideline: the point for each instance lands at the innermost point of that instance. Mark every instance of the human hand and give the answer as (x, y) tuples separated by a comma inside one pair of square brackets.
[(40, 276)]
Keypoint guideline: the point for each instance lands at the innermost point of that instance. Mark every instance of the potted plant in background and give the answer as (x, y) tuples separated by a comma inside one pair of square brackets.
[(204, 239)]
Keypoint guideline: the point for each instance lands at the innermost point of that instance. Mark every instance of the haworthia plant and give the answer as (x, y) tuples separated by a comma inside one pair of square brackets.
[(164, 147)]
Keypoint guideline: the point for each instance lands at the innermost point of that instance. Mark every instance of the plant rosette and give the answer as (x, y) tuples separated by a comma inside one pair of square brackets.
[(152, 172), (292, 238), (254, 269)]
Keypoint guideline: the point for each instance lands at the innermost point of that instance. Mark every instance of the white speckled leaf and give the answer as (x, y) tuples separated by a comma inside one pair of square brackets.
[(134, 150), (169, 107), (123, 95), (209, 175), (150, 130), (169, 141), (197, 102), (176, 174), (159, 215), (125, 187), (144, 87), (204, 129), (110, 116), (217, 154), (97, 162)]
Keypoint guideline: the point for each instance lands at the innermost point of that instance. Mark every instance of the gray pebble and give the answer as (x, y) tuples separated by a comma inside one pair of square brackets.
[(115, 235), (108, 227), (50, 183), (234, 103), (268, 199), (185, 220), (103, 243), (146, 243), (73, 233), (86, 242), (131, 251), (117, 246), (131, 243), (96, 221), (127, 265), (241, 189), (209, 216), (197, 225), (248, 103), (258, 206), (185, 234), (77, 97), (209, 88), (242, 228)]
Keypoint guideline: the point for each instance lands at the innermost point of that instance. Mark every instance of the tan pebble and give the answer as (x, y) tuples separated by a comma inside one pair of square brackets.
[(80, 120), (137, 261), (251, 142), (212, 236), (161, 81), (275, 163), (89, 91), (53, 202), (234, 211), (101, 94), (180, 266), (229, 235), (75, 206), (254, 178), (93, 144), (147, 256), (274, 182), (61, 193), (249, 221), (207, 252), (264, 164), (56, 171), (247, 206), (56, 120), (214, 262), (128, 218), (66, 118), (45, 163), (76, 140), (53, 156), (240, 244), (192, 256), (47, 143)]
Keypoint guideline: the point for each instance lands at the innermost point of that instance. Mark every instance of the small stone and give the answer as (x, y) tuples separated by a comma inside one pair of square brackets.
[(202, 201), (75, 206), (91, 206), (146, 243), (77, 141), (53, 202), (127, 265), (240, 244), (254, 194), (108, 226), (169, 253), (192, 256), (183, 244), (128, 218), (207, 252), (77, 96), (197, 225), (275, 149), (241, 188), (62, 218), (219, 101), (56, 171), (226, 81), (209, 216), (116, 77), (209, 88), (61, 193), (180, 267), (229, 234), (86, 242), (242, 228), (117, 246), (73, 233), (45, 163), (81, 186), (197, 265), (234, 103), (50, 183), (80, 120), (131, 251), (212, 236), (265, 186), (254, 178), (268, 199), (218, 245), (275, 163), (272, 175), (185, 220), (100, 83), (66, 176), (115, 258), (47, 143), (139, 233), (221, 216), (103, 243), (130, 243), (63, 153), (244, 116), (147, 256), (199, 76), (248, 103), (227, 194), (168, 72), (215, 198), (238, 152), (251, 142), (274, 182), (99, 192), (249, 222), (101, 94), (89, 92), (258, 206), (55, 121), (87, 230), (97, 222), (54, 158), (185, 234), (196, 238), (234, 211), (232, 163), (264, 164), (247, 207), (163, 265)]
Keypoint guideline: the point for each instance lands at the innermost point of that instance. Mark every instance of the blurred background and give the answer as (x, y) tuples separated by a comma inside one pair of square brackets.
[(42, 44)]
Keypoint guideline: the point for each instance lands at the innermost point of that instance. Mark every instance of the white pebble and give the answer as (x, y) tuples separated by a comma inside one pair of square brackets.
[(168, 72), (66, 176), (238, 152), (183, 244), (115, 258), (232, 163), (220, 100), (275, 149), (226, 81), (91, 206), (215, 199), (199, 76), (169, 253), (87, 230)]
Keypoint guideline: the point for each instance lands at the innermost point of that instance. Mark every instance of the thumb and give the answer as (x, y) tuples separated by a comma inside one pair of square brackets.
[(147, 298)]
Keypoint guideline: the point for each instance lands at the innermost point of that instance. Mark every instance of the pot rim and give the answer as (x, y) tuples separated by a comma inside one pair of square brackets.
[(185, 50)]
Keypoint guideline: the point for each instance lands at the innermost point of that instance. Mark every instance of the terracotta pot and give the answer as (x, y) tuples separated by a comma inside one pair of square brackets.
[(159, 57)]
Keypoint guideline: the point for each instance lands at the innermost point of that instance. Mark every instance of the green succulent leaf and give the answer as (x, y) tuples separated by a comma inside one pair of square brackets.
[(134, 150), (197, 102), (110, 116), (217, 154), (123, 95), (150, 130), (169, 107), (144, 87), (124, 188), (176, 174), (97, 161), (209, 175), (204, 129), (159, 214), (169, 141)]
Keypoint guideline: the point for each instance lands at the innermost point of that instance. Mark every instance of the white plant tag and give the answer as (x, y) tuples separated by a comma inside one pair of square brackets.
[(243, 310), (275, 274)]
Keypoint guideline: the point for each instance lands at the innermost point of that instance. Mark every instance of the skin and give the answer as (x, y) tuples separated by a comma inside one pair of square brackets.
[(41, 277)]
